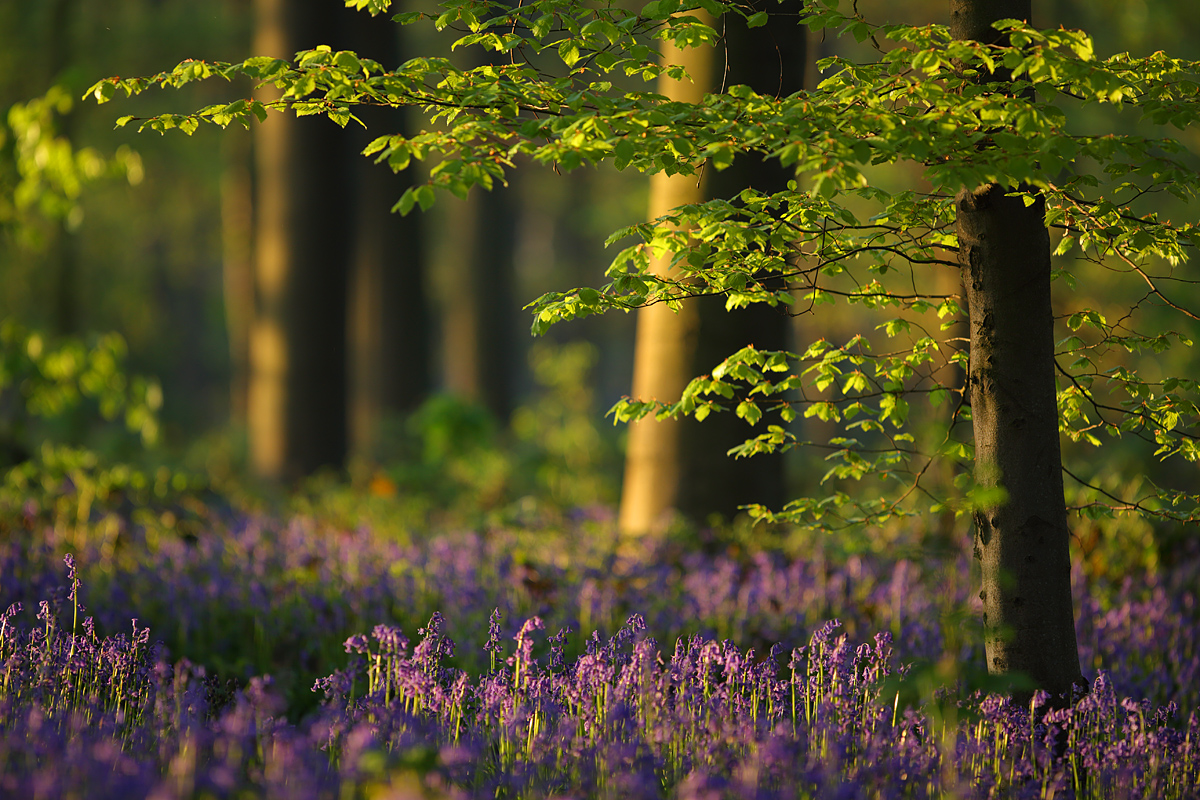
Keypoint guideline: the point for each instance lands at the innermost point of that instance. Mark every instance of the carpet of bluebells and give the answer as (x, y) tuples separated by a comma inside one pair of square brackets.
[(236, 656)]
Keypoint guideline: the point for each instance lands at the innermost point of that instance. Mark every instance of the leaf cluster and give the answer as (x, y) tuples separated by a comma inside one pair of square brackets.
[(45, 380), (48, 174)]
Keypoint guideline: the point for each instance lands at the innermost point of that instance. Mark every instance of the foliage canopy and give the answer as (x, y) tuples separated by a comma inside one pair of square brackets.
[(567, 88)]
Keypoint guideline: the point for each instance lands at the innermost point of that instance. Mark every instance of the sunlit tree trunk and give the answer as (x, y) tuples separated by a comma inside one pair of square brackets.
[(665, 344), (1022, 544), (297, 398), (771, 60), (683, 465)]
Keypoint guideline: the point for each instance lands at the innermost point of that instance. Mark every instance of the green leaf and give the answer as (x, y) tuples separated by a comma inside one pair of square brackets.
[(624, 153), (406, 202), (104, 90), (893, 407), (749, 411), (568, 51), (855, 382), (347, 61), (659, 9), (589, 297)]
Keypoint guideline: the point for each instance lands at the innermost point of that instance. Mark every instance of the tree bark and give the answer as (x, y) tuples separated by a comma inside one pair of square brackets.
[(483, 347), (477, 274), (64, 246), (682, 464), (297, 396), (1022, 544), (771, 60), (388, 318), (237, 267), (666, 340)]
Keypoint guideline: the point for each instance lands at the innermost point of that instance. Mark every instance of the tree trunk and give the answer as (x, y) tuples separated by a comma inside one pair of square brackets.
[(64, 245), (496, 307), (297, 397), (665, 344), (476, 273), (237, 267), (483, 345), (388, 323), (683, 464), (1022, 544), (769, 59)]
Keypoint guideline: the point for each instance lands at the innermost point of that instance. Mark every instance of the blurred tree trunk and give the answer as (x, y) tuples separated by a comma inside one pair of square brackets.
[(683, 464), (237, 269), (482, 352), (479, 299), (64, 247), (237, 249), (771, 60), (297, 340), (666, 340), (388, 323), (1022, 544)]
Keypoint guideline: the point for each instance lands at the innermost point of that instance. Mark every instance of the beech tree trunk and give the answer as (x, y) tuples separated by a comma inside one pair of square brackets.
[(666, 340), (388, 318), (296, 409), (237, 267), (476, 276), (483, 341), (682, 464), (1022, 544), (771, 60), (339, 332)]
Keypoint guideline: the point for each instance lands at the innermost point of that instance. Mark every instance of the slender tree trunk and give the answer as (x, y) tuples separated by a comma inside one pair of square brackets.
[(1022, 544), (64, 247), (476, 276), (496, 307), (682, 464), (237, 268), (483, 349), (388, 336), (665, 343), (297, 397)]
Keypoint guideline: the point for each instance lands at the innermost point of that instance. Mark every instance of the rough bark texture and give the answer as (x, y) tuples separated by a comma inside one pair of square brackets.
[(297, 398), (1022, 545), (665, 344)]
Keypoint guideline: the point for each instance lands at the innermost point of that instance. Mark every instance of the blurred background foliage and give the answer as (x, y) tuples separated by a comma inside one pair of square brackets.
[(116, 257)]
